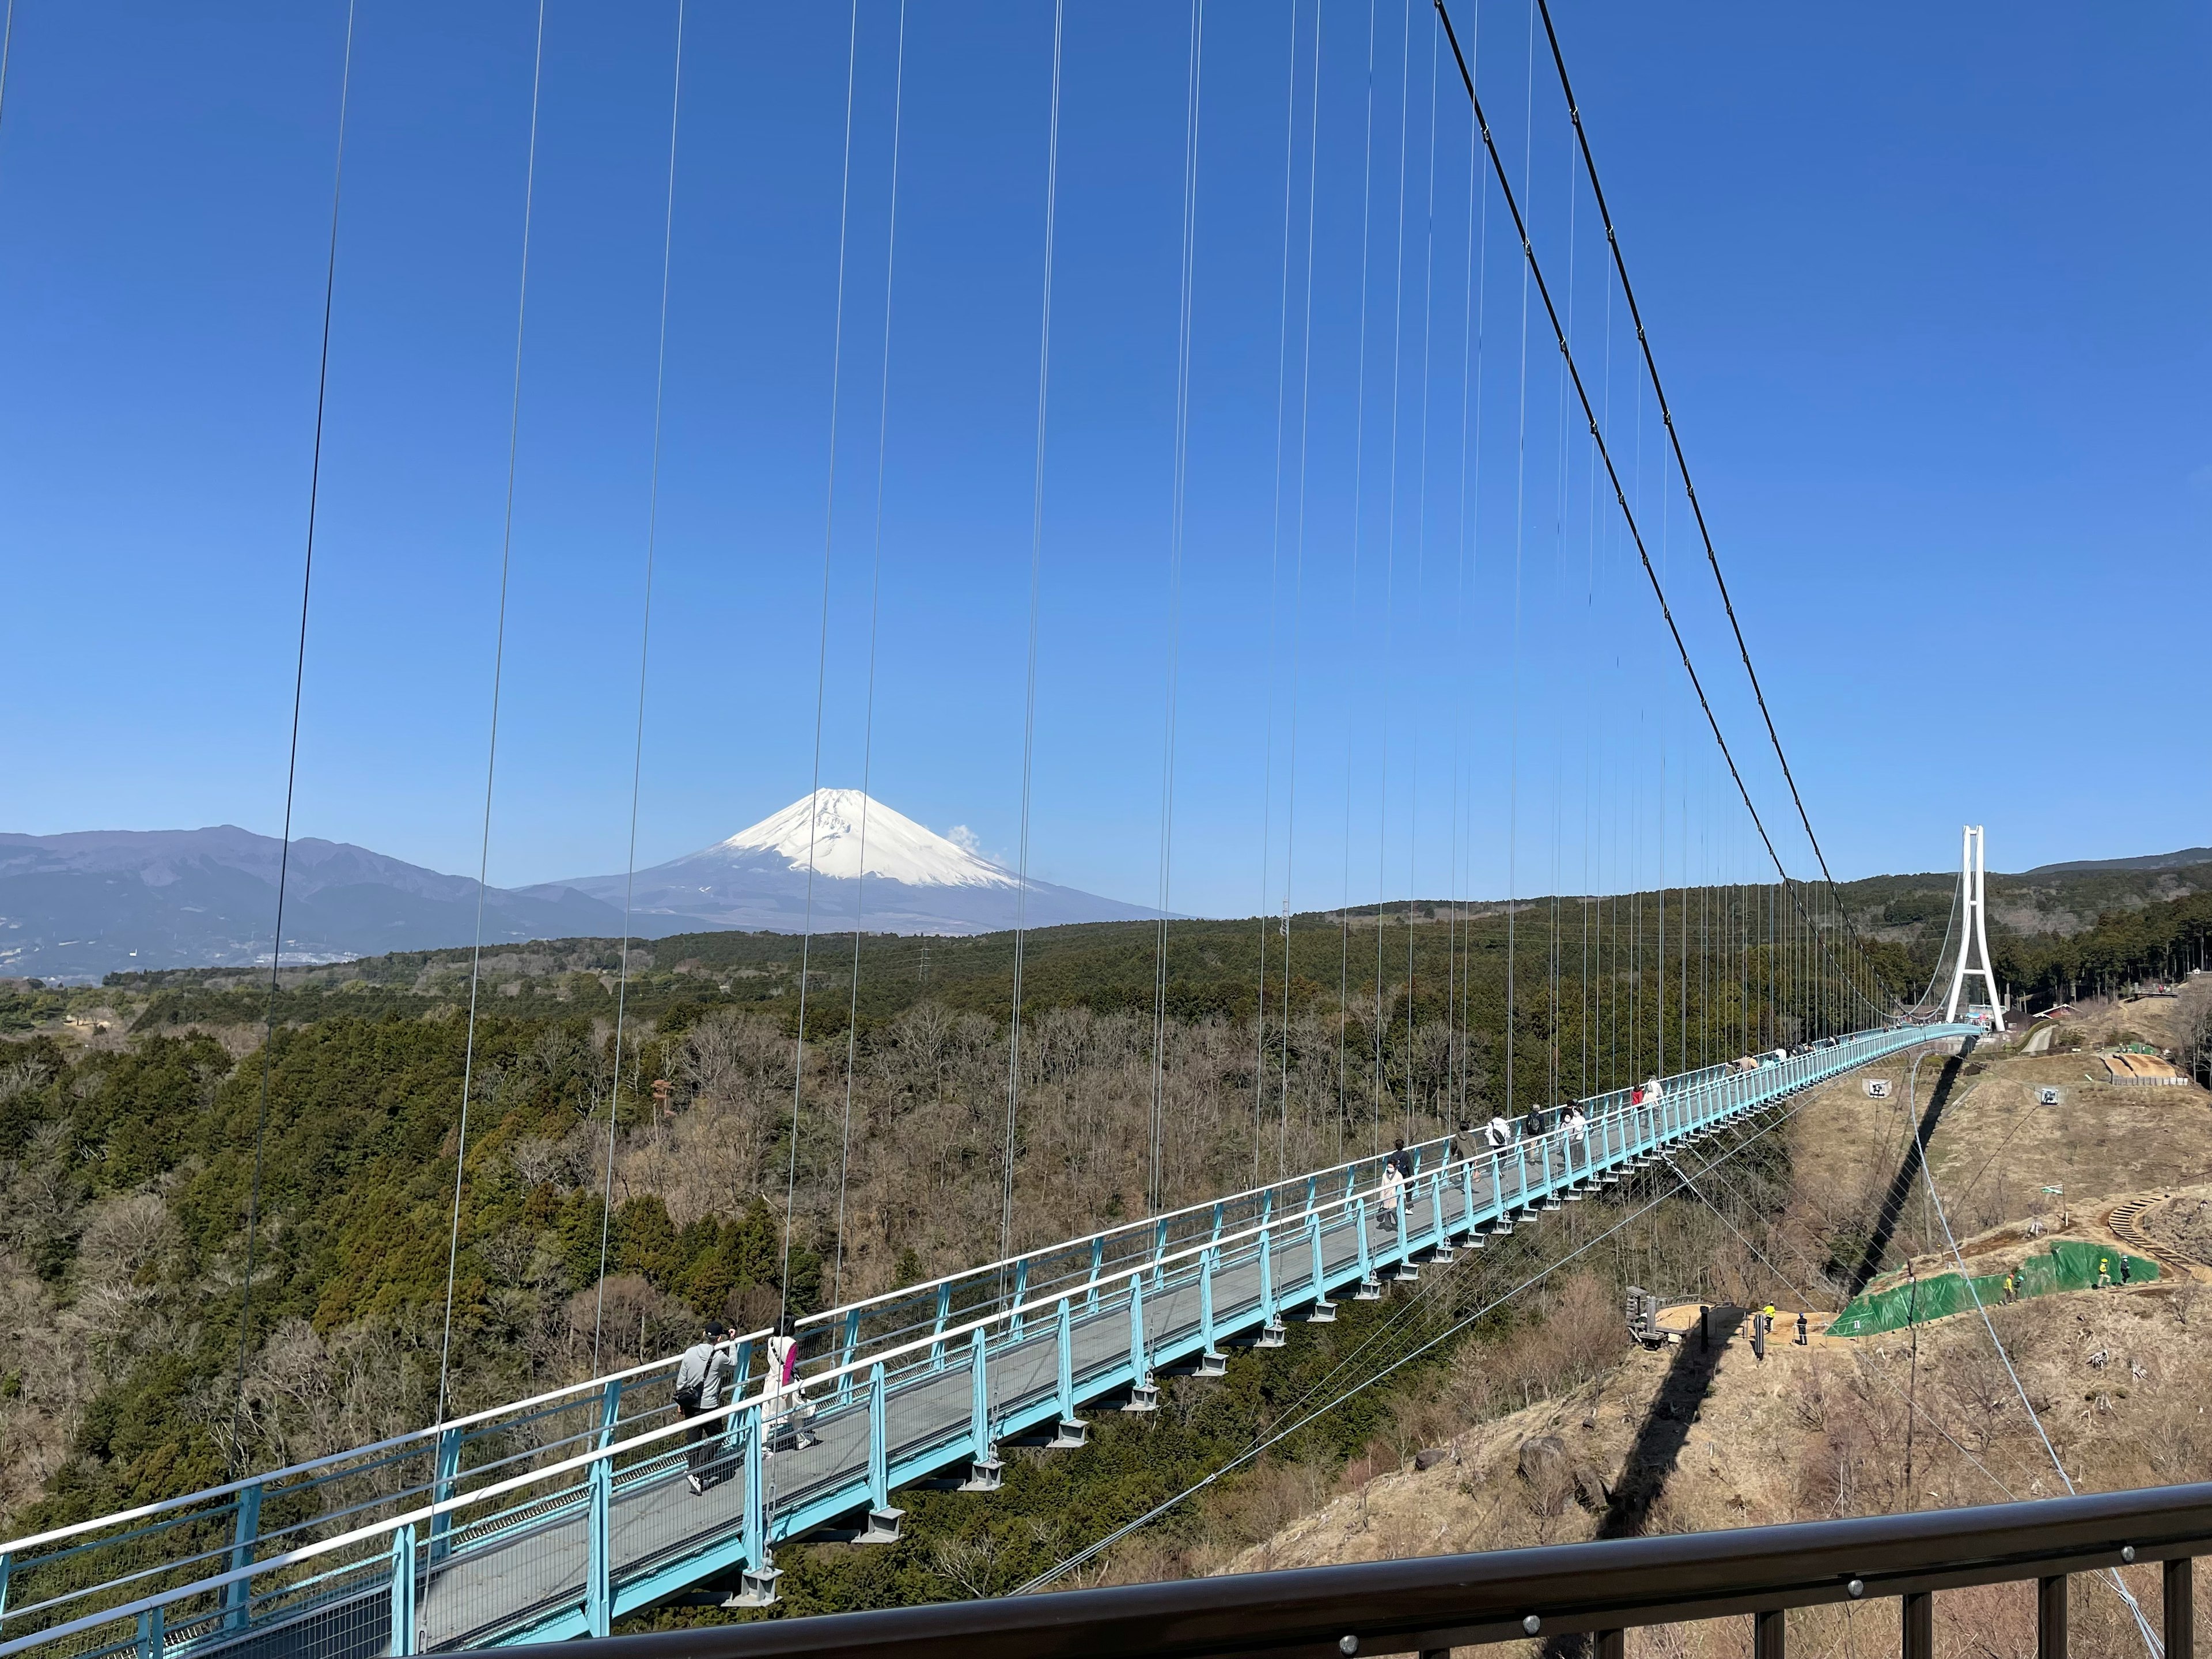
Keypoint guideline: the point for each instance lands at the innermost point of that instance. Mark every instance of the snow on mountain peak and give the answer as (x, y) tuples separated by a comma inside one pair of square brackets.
[(836, 822)]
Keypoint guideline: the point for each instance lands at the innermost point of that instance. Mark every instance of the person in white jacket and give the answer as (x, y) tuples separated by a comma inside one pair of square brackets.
[(787, 1400), (1394, 1194), (1497, 1133)]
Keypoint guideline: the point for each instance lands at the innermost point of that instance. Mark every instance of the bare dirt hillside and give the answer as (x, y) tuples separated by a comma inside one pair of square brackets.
[(1693, 1437)]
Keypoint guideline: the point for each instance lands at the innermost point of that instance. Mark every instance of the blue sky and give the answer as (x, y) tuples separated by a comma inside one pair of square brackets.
[(1925, 287)]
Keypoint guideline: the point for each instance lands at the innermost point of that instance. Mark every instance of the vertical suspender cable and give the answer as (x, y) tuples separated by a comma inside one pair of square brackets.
[(644, 648), (1358, 477), (1520, 529), (1420, 560), (875, 596), (821, 661), (1297, 585), (1385, 1014), (292, 751), (1156, 1182), (498, 668), (1029, 698), (1275, 567)]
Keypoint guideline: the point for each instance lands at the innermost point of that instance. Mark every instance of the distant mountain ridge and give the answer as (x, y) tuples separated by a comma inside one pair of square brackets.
[(78, 906), (2180, 861), (75, 907)]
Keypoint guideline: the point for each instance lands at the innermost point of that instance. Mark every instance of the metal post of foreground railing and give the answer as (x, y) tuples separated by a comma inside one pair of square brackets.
[(153, 1634), (1916, 1616), (238, 1598), (599, 1574), (403, 1591), (1767, 1629), (2050, 1617), (2180, 1585)]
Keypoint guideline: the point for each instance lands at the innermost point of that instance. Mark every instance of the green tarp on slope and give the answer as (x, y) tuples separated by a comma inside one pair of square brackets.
[(2070, 1266)]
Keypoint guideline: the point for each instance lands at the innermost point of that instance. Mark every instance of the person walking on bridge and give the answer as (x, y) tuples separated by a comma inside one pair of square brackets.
[(1497, 1132), (1394, 1192), (702, 1379)]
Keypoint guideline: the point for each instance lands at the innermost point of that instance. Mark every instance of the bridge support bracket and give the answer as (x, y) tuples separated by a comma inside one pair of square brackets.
[(1322, 1312), (1143, 1397), (1269, 1335), (1443, 1256), (1211, 1364), (756, 1588), (883, 1527), (985, 1475), (1071, 1432), (1406, 1273), (1370, 1290)]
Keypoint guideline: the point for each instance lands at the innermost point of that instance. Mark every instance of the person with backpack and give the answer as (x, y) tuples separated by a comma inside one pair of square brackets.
[(703, 1378), (1402, 1159), (1499, 1133)]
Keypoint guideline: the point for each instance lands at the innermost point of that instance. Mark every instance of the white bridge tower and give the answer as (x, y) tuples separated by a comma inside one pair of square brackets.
[(1974, 940)]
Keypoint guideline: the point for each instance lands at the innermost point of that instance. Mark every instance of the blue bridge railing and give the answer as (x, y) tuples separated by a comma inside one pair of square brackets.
[(551, 1517)]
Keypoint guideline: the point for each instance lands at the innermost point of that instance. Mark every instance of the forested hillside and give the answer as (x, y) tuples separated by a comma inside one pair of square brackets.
[(129, 1115)]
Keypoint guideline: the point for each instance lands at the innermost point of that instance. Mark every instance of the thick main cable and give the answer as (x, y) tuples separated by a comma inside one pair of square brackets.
[(1535, 270), (298, 686), (1682, 465)]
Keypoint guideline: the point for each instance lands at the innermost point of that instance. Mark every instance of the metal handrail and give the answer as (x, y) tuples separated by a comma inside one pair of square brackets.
[(1431, 1604)]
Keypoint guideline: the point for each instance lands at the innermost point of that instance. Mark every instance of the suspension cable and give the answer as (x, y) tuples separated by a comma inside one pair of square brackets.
[(1157, 1174), (644, 648), (1036, 570), (292, 753), (1682, 464), (1535, 270), (821, 662), (875, 607), (498, 670)]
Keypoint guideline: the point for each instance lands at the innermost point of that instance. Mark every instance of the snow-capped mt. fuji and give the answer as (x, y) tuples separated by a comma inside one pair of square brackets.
[(870, 864), (847, 835)]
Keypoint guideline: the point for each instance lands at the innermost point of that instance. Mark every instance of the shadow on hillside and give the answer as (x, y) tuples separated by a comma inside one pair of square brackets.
[(1901, 1184)]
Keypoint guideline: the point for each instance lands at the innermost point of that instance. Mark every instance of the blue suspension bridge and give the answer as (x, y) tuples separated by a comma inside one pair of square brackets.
[(553, 1516)]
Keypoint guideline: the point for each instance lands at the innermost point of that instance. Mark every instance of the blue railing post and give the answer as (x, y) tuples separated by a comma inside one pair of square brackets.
[(1206, 1296), (1320, 1269), (1366, 1259), (1437, 1209), (944, 1313), (610, 1416), (1268, 1314), (1021, 1295), (598, 1573), (755, 1529), (845, 1355), (1064, 1336), (153, 1634), (1520, 1168), (1313, 1192), (879, 1461), (403, 1591), (979, 1395), (1141, 1371), (6, 1562), (238, 1596), (1097, 1266), (1217, 1223), (448, 1469), (1466, 1194)]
